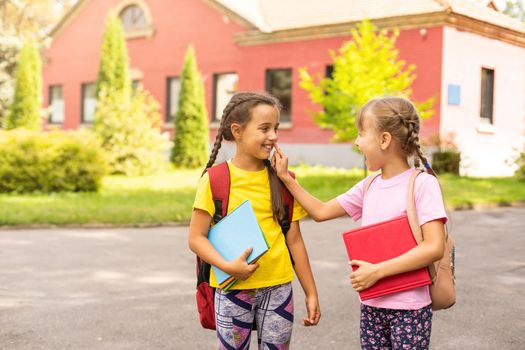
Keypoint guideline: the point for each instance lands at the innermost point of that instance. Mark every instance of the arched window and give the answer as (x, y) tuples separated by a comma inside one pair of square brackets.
[(136, 18), (133, 18)]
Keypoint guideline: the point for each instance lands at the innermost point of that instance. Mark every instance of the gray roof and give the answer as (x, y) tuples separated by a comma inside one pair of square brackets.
[(275, 15)]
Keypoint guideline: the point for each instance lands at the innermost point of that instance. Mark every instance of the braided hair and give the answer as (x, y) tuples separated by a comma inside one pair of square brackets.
[(399, 117), (238, 110)]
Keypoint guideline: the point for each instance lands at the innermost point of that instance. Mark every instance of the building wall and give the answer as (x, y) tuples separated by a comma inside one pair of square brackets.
[(74, 55), (486, 150)]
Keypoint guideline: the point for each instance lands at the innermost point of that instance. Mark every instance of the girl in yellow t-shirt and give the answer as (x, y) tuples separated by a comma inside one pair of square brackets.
[(264, 292)]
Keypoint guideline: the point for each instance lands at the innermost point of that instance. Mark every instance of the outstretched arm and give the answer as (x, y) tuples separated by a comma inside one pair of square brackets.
[(295, 243), (318, 210)]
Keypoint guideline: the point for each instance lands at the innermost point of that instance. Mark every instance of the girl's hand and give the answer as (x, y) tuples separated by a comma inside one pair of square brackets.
[(314, 312), (280, 163), (365, 276), (239, 268)]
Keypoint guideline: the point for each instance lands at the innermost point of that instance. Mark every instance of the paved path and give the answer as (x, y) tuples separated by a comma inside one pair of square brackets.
[(134, 288)]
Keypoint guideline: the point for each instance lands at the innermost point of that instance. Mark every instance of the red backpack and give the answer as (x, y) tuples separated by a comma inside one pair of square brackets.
[(220, 189)]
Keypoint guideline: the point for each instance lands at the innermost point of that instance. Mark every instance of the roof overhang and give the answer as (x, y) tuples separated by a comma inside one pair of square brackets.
[(418, 21)]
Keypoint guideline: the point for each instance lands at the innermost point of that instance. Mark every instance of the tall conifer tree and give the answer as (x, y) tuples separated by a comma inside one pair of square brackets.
[(190, 147), (113, 68), (24, 112), (127, 125)]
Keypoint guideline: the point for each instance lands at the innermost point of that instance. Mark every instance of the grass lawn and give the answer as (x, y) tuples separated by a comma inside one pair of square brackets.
[(168, 197)]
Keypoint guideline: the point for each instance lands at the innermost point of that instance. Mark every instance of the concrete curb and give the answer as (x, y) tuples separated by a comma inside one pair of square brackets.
[(92, 226), (486, 206)]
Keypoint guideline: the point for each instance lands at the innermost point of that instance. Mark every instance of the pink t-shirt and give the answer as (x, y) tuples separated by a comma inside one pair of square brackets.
[(385, 200)]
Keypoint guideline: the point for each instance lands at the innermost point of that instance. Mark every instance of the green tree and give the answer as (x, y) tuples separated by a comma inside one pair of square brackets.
[(29, 19), (10, 46), (128, 126), (190, 148), (366, 67), (113, 72), (24, 112), (515, 8)]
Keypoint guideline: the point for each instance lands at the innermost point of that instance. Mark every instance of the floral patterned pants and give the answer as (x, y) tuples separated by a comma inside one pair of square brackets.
[(384, 329)]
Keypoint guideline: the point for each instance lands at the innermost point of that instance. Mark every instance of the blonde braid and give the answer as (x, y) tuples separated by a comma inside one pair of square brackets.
[(412, 144)]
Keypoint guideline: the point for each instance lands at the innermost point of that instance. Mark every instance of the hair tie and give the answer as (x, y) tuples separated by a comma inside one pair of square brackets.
[(427, 165)]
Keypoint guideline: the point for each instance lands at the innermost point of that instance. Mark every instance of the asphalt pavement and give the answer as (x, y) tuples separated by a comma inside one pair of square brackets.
[(135, 288)]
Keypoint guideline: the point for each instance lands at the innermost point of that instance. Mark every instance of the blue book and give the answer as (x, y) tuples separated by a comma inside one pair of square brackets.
[(231, 236)]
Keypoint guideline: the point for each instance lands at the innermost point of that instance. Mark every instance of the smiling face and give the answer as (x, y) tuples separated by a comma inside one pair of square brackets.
[(370, 143), (257, 138)]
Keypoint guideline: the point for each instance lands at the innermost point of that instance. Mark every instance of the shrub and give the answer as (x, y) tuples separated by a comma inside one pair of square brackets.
[(520, 171), (446, 162), (128, 129), (49, 162)]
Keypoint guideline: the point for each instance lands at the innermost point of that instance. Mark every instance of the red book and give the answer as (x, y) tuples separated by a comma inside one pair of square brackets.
[(383, 241)]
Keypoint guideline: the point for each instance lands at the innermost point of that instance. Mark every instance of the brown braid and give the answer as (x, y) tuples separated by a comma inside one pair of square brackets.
[(275, 190), (216, 146)]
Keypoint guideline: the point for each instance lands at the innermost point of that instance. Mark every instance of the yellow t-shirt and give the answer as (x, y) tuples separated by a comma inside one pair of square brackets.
[(275, 266)]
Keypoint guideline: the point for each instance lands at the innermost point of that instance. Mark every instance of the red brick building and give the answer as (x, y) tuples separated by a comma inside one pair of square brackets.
[(260, 44)]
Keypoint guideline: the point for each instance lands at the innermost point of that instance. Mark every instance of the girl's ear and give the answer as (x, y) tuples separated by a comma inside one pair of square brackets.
[(236, 130), (385, 139)]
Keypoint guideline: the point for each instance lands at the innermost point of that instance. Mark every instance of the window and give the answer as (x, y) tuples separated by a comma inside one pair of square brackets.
[(329, 71), (56, 104), (487, 96), (454, 94), (224, 87), (133, 18), (279, 84), (172, 98), (135, 84), (136, 19), (89, 102)]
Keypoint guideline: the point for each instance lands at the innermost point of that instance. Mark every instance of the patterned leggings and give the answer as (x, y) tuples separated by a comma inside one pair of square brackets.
[(384, 329), (271, 308)]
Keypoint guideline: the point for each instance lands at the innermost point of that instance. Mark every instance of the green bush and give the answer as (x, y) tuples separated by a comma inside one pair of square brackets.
[(33, 161), (446, 162), (129, 131), (520, 162)]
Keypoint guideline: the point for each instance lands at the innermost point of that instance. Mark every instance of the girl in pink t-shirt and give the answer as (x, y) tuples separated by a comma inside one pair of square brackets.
[(388, 136)]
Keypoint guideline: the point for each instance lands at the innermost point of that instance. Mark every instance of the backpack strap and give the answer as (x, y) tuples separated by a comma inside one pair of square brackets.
[(414, 222), (411, 207), (288, 201), (286, 222), (368, 183), (220, 189)]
